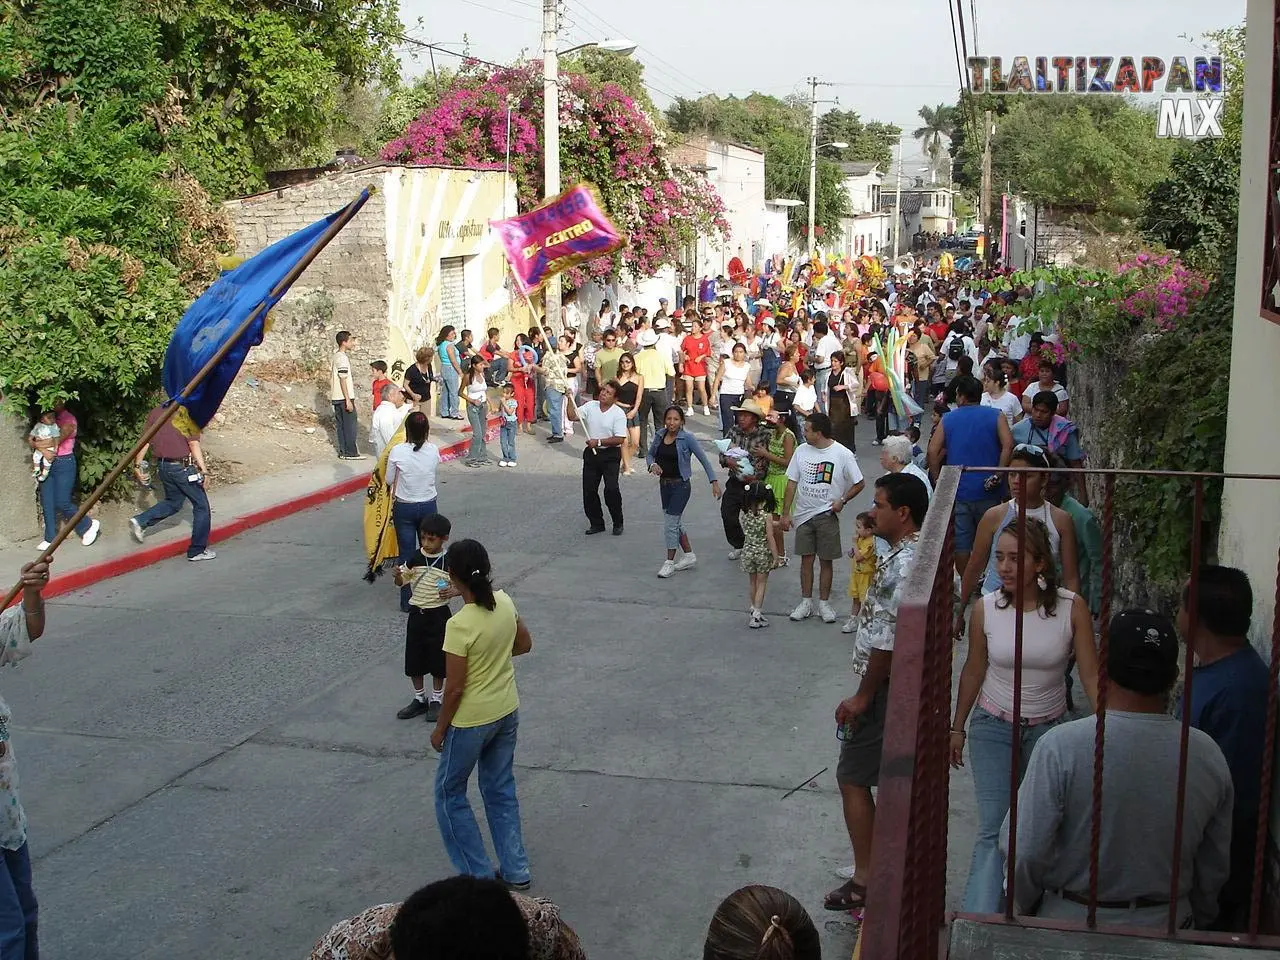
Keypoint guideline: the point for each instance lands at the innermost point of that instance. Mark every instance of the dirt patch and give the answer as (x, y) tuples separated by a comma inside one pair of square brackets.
[(277, 414)]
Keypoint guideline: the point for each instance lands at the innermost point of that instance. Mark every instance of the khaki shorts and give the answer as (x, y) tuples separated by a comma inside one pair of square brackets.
[(819, 536)]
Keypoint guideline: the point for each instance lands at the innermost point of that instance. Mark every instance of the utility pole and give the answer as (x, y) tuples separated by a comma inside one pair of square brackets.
[(986, 186), (813, 163), (551, 136), (897, 205)]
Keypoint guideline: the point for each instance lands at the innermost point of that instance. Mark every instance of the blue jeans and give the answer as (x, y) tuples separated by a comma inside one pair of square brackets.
[(491, 747), (675, 497), (449, 392), (507, 438), (177, 489), (18, 908), (727, 417), (478, 416), (555, 411), (991, 757), (405, 517), (55, 496)]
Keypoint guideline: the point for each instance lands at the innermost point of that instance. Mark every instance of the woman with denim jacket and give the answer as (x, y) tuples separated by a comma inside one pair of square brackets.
[(670, 460)]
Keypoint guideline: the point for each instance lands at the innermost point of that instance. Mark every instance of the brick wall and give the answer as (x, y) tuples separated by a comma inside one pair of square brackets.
[(347, 286)]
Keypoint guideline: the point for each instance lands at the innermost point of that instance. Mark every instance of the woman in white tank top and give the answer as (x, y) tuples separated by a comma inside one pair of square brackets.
[(1055, 623), (981, 567)]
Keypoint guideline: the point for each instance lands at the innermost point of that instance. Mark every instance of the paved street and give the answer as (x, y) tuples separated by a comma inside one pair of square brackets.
[(212, 766)]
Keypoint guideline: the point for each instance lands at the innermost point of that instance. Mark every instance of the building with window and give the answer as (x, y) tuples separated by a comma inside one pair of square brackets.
[(736, 173), (868, 228), (420, 255)]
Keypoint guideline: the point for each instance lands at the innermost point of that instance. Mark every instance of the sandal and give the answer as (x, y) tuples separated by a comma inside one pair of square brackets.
[(850, 895)]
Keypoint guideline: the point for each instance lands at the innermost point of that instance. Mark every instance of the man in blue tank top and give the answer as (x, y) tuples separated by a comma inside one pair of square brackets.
[(971, 435)]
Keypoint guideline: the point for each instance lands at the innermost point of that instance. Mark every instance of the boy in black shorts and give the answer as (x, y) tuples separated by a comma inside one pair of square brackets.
[(428, 576)]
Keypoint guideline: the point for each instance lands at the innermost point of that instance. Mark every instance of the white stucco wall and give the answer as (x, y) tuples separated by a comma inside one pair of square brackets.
[(1250, 537), (738, 178)]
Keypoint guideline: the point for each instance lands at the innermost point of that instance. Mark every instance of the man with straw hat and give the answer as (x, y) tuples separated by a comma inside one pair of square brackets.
[(751, 433)]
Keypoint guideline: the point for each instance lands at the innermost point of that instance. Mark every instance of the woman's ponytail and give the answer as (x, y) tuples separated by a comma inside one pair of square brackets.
[(468, 563)]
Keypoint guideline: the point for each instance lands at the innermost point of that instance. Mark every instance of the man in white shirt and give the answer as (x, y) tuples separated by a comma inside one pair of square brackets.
[(342, 392), (670, 343), (825, 344), (952, 354), (575, 318), (387, 418), (822, 478), (606, 428)]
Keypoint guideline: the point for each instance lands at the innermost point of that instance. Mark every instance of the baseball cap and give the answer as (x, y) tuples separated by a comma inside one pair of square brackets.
[(677, 313), (1142, 651), (663, 300), (769, 322)]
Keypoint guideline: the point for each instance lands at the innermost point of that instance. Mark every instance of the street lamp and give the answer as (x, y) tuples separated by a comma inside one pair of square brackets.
[(551, 121), (814, 147)]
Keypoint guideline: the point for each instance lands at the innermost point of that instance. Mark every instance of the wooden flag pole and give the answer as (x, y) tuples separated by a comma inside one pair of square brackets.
[(172, 407)]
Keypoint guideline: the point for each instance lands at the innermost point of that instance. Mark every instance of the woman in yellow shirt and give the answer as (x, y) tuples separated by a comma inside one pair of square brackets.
[(478, 722)]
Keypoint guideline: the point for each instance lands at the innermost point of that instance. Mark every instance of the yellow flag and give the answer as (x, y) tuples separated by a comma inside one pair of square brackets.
[(379, 533)]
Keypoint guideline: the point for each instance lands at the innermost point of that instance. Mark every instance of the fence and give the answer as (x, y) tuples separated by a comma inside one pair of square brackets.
[(906, 915)]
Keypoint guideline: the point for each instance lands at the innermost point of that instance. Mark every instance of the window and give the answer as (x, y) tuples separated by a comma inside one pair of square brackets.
[(1271, 236)]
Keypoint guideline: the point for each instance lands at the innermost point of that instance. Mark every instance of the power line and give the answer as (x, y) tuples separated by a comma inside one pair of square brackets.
[(671, 69), (506, 13)]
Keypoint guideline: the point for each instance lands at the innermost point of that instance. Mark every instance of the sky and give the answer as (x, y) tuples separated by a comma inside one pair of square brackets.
[(885, 61)]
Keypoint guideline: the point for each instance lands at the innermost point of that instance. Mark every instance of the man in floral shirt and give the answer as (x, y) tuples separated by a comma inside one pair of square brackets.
[(751, 433), (900, 504)]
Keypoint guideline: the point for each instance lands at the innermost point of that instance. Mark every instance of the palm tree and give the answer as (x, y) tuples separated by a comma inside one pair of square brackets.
[(938, 123)]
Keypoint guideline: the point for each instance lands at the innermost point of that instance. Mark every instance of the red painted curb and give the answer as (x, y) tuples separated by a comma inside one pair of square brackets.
[(87, 576)]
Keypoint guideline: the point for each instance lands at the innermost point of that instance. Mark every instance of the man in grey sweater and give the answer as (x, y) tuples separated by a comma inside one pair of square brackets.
[(1139, 798)]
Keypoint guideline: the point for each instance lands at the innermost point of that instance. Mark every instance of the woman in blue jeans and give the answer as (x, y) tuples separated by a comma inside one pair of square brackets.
[(411, 475), (1055, 622), (670, 460), (56, 489), (479, 720), (450, 371)]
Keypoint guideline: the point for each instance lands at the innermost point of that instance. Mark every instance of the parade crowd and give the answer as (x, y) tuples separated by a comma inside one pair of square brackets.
[(784, 378)]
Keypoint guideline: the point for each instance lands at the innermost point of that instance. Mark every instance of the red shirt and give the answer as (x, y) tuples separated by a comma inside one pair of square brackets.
[(377, 390), (168, 443), (938, 331), (698, 349)]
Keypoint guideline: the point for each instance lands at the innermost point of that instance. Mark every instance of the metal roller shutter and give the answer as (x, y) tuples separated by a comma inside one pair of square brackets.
[(453, 296)]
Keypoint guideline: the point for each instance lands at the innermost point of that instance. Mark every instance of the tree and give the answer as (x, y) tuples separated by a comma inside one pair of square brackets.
[(604, 66), (261, 84), (871, 142), (605, 139), (780, 129), (1194, 210), (105, 239), (939, 122)]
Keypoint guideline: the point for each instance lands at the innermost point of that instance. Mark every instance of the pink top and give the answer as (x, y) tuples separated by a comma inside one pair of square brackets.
[(1046, 647), (64, 419)]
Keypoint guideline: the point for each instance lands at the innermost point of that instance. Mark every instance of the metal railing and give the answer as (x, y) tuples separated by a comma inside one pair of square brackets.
[(906, 917)]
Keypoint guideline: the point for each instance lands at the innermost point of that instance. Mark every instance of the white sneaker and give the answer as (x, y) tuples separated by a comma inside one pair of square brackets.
[(757, 621), (850, 626), (803, 610), (667, 569), (687, 562), (135, 528), (91, 534), (42, 546), (824, 610), (846, 873), (734, 554), (206, 555), (706, 411)]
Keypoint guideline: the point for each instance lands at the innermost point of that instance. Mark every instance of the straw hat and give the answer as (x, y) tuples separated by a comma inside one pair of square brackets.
[(750, 406), (647, 338)]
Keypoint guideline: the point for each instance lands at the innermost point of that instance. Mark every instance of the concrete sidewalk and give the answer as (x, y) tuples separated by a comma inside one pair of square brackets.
[(235, 507)]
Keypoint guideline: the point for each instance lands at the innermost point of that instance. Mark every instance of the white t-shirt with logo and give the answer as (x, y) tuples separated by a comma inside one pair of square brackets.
[(822, 477)]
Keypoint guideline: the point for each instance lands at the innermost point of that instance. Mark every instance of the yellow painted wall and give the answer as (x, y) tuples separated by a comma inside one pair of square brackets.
[(434, 214)]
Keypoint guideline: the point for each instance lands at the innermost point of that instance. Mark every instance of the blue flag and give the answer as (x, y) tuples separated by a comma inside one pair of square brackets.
[(217, 316)]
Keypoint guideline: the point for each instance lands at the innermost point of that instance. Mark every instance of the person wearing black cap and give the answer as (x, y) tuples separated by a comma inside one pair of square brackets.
[(1139, 799)]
